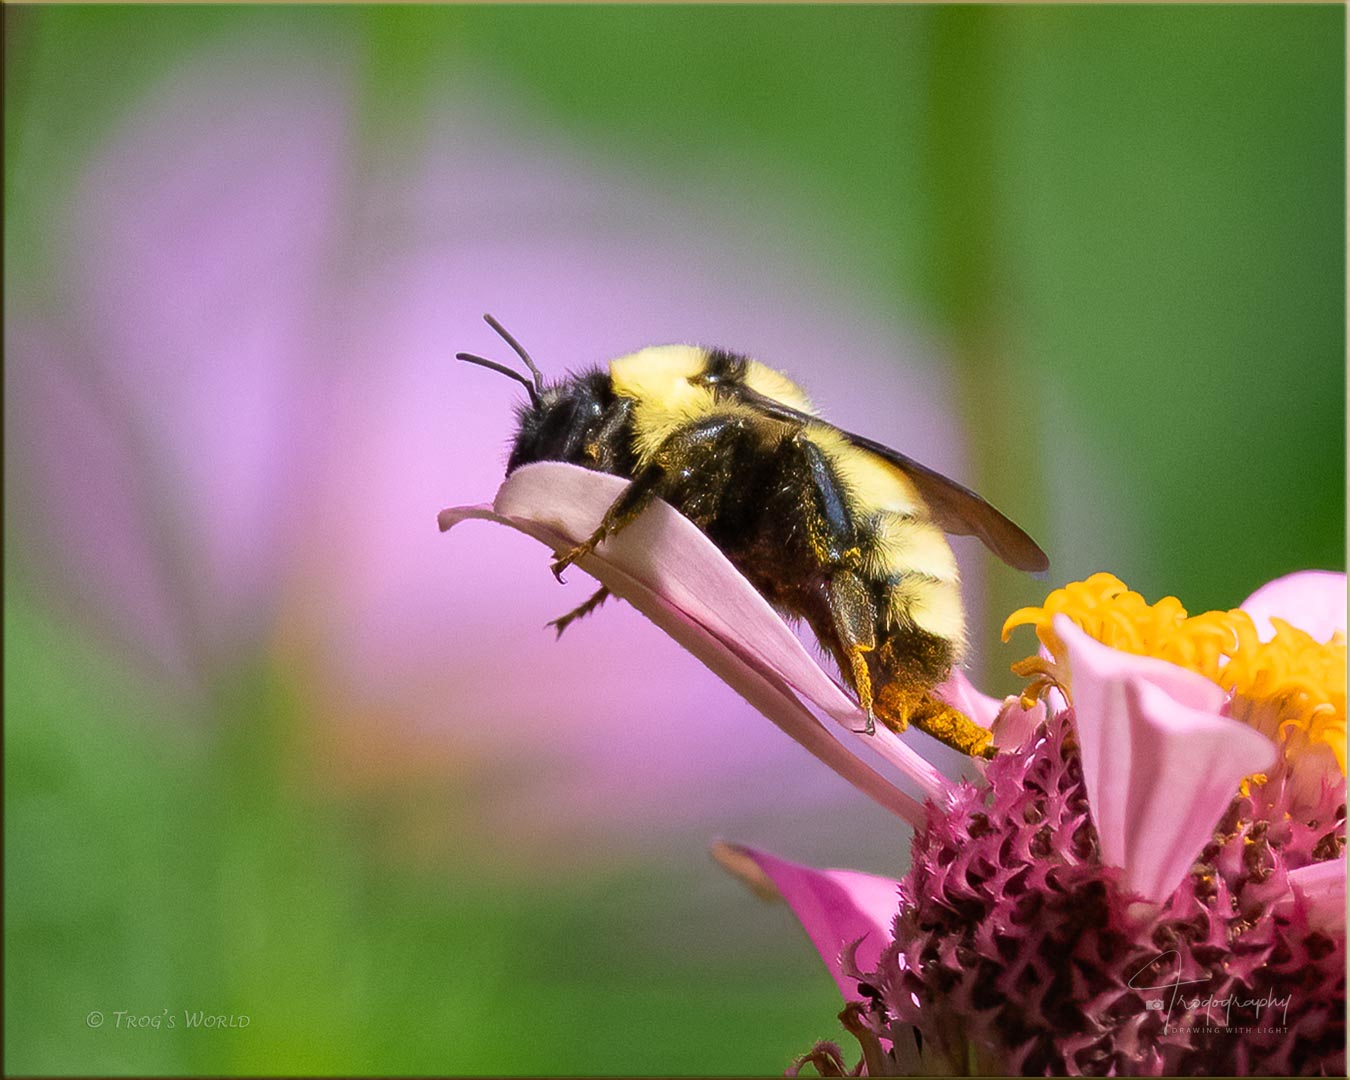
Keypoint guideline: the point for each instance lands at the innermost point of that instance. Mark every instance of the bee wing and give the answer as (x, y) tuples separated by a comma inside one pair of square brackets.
[(962, 512), (956, 508)]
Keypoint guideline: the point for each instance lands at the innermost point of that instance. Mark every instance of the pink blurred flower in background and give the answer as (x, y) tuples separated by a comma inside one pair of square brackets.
[(232, 416)]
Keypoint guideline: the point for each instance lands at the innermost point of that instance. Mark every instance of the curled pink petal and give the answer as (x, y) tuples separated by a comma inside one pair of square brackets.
[(1159, 763), (1014, 725), (1098, 674), (667, 552), (835, 907), (1185, 768), (1312, 600), (1320, 890), (674, 575)]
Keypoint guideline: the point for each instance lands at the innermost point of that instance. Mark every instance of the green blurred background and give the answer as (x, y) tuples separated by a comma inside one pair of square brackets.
[(1123, 226)]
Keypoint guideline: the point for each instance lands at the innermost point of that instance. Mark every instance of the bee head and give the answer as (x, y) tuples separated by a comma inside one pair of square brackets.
[(561, 422), (566, 424)]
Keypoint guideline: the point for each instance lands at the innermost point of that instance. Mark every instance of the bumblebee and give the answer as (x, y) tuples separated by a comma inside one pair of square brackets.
[(829, 526)]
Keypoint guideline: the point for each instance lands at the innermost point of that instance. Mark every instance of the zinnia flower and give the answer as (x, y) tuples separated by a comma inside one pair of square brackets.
[(1148, 879)]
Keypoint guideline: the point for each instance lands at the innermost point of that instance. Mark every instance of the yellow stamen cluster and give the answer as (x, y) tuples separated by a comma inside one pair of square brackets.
[(1292, 687)]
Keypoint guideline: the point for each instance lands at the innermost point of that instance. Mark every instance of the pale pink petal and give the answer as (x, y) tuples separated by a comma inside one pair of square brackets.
[(674, 575), (1185, 768), (1320, 889), (1011, 724), (1312, 600), (667, 552), (835, 907), (1098, 675), (1159, 762)]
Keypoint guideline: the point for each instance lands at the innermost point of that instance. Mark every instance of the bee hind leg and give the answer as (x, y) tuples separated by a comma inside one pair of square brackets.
[(564, 621), (634, 499), (899, 706)]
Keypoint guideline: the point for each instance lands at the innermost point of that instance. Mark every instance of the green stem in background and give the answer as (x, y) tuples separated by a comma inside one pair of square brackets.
[(967, 271), (403, 48)]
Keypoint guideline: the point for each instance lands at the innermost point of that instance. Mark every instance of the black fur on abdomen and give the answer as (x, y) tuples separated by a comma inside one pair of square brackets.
[(770, 499)]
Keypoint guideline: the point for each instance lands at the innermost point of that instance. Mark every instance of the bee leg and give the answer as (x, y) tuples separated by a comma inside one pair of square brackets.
[(862, 682), (564, 621), (634, 499), (854, 617), (954, 728), (899, 706), (693, 450)]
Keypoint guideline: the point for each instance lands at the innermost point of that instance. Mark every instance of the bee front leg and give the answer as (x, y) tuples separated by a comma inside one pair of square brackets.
[(564, 621), (634, 499)]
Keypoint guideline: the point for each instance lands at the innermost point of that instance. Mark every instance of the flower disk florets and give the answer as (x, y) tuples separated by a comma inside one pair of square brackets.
[(1018, 952)]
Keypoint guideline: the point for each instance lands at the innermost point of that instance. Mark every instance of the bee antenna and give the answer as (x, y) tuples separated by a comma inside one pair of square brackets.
[(505, 336), (530, 388)]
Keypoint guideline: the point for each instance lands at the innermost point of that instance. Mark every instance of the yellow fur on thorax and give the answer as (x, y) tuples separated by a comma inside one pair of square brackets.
[(657, 379), (776, 385)]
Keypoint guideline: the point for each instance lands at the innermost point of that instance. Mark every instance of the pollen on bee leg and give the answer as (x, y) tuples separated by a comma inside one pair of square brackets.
[(957, 730), (898, 707), (862, 679)]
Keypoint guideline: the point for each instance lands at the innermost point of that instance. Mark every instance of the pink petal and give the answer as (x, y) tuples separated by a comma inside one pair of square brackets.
[(1160, 764), (675, 576), (1312, 600), (1320, 888), (1185, 770), (1098, 674), (835, 907)]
